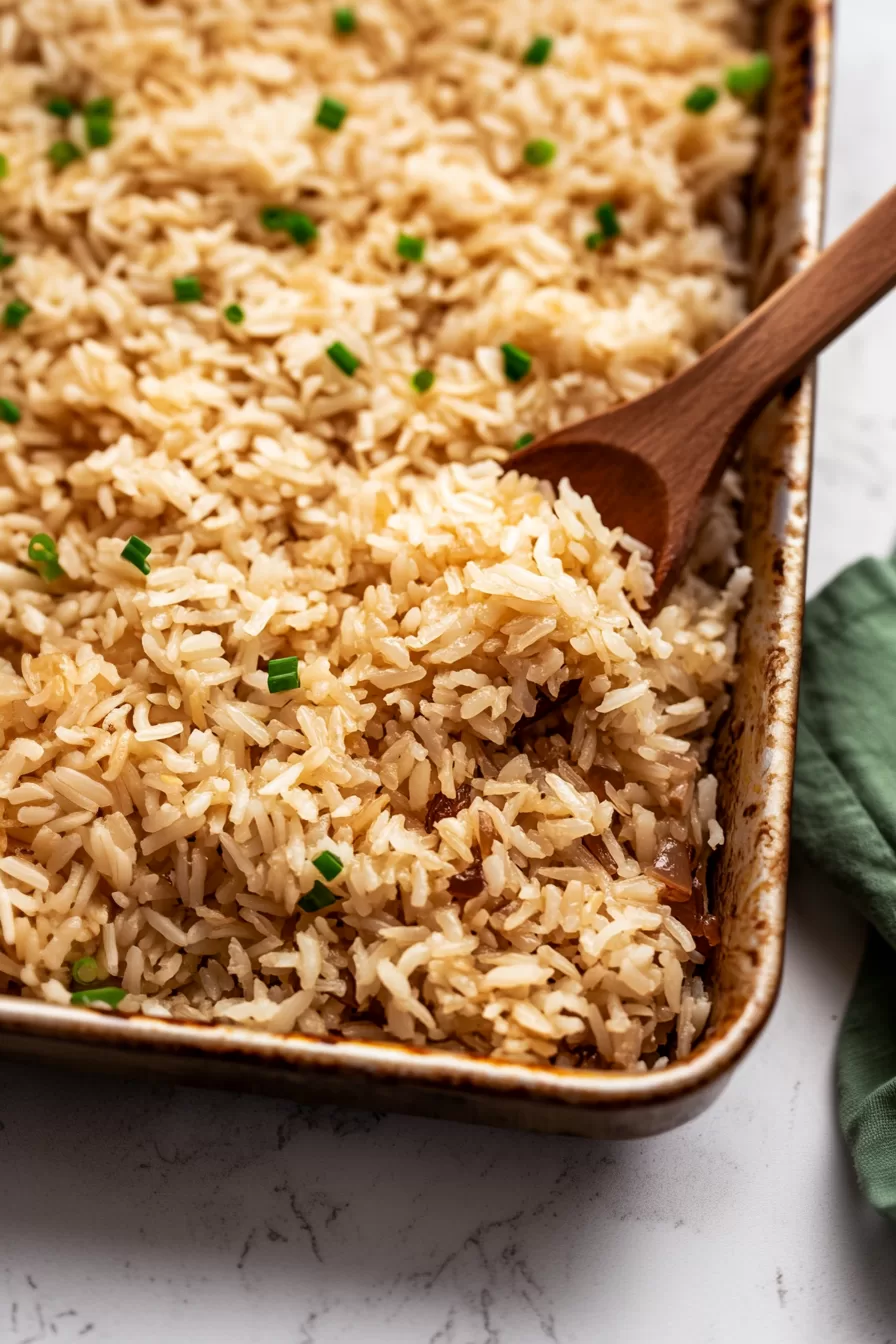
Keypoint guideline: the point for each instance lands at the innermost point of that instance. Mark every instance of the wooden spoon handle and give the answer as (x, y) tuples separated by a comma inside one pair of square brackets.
[(745, 370)]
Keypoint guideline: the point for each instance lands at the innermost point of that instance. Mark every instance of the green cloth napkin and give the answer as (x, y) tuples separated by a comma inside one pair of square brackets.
[(845, 819)]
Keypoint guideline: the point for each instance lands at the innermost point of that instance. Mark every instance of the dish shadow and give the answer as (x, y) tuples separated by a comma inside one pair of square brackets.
[(248, 1187)]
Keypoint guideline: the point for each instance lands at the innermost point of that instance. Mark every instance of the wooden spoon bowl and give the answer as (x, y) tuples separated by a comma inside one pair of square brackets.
[(651, 466)]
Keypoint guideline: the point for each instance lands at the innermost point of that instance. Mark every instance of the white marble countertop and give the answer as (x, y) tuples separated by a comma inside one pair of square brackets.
[(138, 1213)]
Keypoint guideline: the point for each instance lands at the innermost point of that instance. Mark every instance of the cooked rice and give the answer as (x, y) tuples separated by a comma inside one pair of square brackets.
[(159, 809)]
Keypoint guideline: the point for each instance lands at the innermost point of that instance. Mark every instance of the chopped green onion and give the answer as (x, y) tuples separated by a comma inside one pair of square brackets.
[(274, 218), (746, 81), (135, 551), (523, 441), (83, 998), (409, 247), (62, 152), (517, 362), (283, 674), (14, 314), (343, 358), (344, 20), (6, 259), (4, 166), (422, 380), (234, 313), (608, 220), (539, 152), (279, 219), (318, 898), (300, 228), (9, 412), (187, 289), (331, 114), (98, 129), (44, 556), (61, 107), (701, 99), (328, 864), (610, 227), (99, 107), (85, 970), (538, 51)]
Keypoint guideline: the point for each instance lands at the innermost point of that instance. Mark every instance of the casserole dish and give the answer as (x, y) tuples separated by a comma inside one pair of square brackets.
[(754, 762)]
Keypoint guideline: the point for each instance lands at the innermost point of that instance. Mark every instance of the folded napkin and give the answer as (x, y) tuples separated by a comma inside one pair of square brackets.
[(845, 819)]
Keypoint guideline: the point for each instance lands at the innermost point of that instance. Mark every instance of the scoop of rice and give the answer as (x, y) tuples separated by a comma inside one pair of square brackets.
[(488, 741)]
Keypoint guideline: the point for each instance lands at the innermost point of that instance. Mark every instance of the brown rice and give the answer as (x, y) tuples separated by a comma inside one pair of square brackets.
[(159, 808)]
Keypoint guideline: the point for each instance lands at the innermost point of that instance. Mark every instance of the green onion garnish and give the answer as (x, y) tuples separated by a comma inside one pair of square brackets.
[(283, 674), (4, 166), (343, 358), (610, 227), (187, 289), (539, 152), (99, 107), (523, 441), (234, 313), (135, 551), (608, 220), (331, 114), (745, 81), (701, 99), (318, 898), (517, 362), (62, 152), (279, 219), (14, 314), (300, 228), (409, 247), (538, 51), (422, 380), (328, 864), (44, 556), (61, 107), (98, 129), (6, 258), (85, 970), (344, 20), (83, 998), (274, 218), (9, 412)]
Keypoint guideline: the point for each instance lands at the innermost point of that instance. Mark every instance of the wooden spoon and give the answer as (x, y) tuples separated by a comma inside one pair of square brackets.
[(650, 465)]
